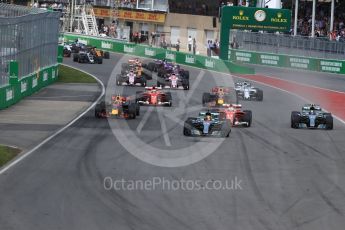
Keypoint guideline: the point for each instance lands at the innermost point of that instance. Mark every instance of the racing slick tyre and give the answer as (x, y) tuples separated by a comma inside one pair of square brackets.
[(106, 55), (137, 109), (259, 95), (143, 82), (295, 119), (205, 98), (75, 57), (138, 96), (67, 53), (187, 126), (169, 98), (99, 60), (248, 117), (226, 129), (185, 84), (99, 109), (97, 112), (186, 131), (160, 84), (185, 74), (329, 121), (132, 111)]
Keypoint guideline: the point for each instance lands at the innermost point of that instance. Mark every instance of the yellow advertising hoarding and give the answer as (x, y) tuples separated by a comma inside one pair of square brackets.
[(130, 15)]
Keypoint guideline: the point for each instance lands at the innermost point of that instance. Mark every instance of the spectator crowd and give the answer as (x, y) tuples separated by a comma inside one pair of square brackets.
[(322, 22)]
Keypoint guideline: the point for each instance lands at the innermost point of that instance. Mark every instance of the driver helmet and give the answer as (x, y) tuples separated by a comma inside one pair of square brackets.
[(208, 116)]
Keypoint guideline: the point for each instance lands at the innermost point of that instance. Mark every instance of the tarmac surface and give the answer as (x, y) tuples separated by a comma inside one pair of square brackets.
[(287, 178), (34, 118)]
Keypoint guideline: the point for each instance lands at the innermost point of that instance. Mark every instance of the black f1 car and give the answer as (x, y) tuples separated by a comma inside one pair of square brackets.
[(312, 116), (246, 91), (87, 57), (207, 124), (119, 107)]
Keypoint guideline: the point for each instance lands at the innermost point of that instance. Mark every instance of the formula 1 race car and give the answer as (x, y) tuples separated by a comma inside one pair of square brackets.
[(312, 116), (167, 69), (174, 81), (208, 123), (218, 96), (87, 57), (119, 107), (237, 116), (157, 65), (131, 79), (154, 96), (67, 50), (136, 66), (97, 53), (246, 91)]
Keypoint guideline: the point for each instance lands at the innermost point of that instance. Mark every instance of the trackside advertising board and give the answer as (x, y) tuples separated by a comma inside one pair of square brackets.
[(159, 53), (287, 61), (236, 56), (20, 88)]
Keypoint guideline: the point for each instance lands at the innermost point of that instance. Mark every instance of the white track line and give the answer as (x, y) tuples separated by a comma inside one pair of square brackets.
[(26, 154)]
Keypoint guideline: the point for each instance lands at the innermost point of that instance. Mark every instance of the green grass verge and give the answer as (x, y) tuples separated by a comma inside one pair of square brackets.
[(7, 154), (70, 75)]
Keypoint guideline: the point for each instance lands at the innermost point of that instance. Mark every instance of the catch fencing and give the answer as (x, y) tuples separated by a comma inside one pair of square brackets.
[(28, 50), (289, 45)]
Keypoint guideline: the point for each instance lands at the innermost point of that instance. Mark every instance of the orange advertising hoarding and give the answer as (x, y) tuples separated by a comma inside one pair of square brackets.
[(130, 15)]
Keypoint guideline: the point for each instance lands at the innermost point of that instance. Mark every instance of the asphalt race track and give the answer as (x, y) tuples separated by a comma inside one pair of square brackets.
[(290, 179)]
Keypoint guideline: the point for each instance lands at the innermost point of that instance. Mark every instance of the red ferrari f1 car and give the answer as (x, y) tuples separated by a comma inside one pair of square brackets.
[(154, 96), (235, 114)]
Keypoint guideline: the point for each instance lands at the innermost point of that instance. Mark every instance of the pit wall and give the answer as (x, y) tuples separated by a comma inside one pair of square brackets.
[(26, 86), (287, 61), (159, 53)]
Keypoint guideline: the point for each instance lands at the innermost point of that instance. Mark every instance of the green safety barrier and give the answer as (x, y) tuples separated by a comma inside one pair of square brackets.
[(27, 85), (160, 53), (237, 57), (288, 61), (20, 88)]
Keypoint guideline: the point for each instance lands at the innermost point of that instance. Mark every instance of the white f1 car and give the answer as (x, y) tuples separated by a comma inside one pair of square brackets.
[(246, 91)]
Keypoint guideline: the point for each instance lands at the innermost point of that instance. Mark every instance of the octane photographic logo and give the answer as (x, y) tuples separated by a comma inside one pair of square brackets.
[(156, 136)]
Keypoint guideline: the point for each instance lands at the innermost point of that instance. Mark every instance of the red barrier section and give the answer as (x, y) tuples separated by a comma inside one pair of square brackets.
[(331, 101)]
